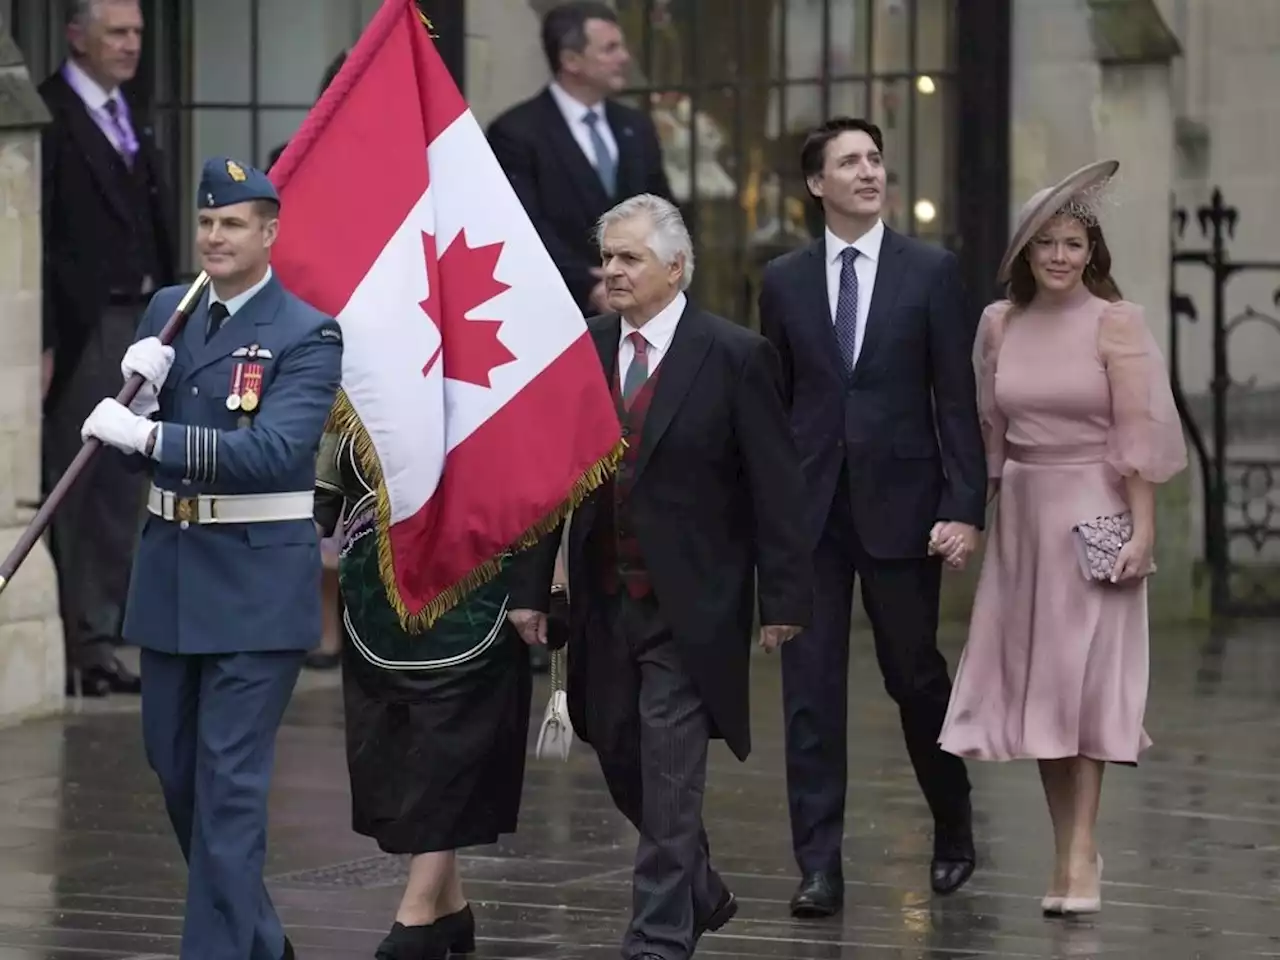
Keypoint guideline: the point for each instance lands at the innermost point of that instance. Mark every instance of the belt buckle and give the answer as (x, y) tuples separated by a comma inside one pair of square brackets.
[(185, 509)]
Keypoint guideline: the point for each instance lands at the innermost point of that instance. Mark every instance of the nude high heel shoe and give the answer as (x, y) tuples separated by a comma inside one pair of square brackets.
[(1076, 906)]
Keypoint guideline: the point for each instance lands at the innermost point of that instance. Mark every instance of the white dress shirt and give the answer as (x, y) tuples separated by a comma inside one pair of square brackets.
[(657, 334), (868, 261), (574, 111)]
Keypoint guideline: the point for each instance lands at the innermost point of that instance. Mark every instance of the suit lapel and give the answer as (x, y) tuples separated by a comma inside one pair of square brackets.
[(581, 173), (811, 288), (883, 296), (677, 371), (238, 331), (95, 146)]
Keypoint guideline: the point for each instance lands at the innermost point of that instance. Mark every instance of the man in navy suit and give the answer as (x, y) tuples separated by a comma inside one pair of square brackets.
[(225, 592), (570, 152), (876, 357)]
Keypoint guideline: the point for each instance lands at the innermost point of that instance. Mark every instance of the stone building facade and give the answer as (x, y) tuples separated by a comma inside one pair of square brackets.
[(31, 658)]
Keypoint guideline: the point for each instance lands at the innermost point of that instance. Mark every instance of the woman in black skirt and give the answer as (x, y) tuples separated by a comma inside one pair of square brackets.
[(436, 722)]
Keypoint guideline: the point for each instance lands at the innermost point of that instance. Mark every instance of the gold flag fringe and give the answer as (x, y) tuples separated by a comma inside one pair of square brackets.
[(344, 419)]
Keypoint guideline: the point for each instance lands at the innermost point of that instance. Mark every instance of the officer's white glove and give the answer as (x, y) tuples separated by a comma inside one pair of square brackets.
[(152, 360), (117, 426)]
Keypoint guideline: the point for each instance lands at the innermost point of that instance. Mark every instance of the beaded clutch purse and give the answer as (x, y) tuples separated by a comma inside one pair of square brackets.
[(1098, 544)]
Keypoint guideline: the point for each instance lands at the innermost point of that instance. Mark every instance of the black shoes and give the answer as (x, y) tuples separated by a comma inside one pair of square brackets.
[(819, 895), (102, 681), (450, 936), (723, 913), (948, 876)]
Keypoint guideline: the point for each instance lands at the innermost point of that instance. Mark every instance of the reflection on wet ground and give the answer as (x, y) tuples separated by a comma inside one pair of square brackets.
[(1191, 838)]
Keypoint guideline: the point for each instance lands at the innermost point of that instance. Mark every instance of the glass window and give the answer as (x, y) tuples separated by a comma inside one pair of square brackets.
[(733, 93)]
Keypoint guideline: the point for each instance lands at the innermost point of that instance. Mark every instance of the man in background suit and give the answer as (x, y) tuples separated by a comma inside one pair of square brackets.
[(227, 576), (571, 153), (663, 566), (107, 246), (876, 362)]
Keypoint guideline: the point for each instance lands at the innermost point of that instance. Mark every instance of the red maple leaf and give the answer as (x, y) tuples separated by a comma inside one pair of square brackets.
[(471, 348)]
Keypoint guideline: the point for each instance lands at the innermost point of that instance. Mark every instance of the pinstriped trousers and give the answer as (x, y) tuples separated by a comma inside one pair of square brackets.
[(651, 731)]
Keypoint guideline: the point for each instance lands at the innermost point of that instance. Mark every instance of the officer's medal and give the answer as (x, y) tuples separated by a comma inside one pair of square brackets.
[(251, 387), (237, 384)]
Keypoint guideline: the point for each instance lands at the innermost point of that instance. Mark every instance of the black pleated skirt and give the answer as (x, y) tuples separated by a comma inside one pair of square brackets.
[(437, 757)]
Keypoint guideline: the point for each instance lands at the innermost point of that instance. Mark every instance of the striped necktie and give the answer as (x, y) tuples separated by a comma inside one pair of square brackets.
[(638, 372)]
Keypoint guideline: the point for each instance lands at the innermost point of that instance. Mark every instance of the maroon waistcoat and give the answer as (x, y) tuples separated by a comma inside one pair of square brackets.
[(623, 563)]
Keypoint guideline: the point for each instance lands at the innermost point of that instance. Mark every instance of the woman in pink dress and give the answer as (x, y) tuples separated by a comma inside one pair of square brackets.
[(1079, 423)]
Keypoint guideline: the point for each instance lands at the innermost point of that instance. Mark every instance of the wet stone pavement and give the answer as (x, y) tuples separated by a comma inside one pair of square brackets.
[(1191, 838)]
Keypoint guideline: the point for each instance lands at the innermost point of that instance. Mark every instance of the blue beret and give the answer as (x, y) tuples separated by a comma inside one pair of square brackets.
[(225, 181)]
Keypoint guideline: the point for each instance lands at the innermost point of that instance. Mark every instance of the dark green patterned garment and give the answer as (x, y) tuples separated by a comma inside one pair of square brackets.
[(464, 633)]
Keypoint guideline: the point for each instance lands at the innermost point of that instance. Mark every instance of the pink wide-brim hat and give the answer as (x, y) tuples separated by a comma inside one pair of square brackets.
[(1045, 204)]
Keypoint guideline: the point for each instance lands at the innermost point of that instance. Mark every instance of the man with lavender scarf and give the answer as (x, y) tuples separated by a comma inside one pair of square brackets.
[(107, 247)]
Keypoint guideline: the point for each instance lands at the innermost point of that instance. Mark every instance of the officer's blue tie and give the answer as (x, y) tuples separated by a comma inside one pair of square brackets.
[(847, 308), (605, 167)]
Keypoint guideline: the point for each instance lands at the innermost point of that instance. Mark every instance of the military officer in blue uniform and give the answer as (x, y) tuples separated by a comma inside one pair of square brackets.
[(225, 593)]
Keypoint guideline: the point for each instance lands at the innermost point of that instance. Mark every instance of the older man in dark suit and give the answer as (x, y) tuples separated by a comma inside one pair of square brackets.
[(876, 364), (107, 246), (665, 562), (570, 152)]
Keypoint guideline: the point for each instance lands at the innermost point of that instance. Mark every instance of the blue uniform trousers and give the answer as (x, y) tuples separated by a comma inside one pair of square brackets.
[(209, 724)]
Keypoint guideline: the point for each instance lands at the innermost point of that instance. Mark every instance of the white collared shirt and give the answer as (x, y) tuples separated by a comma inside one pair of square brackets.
[(868, 261), (573, 111), (240, 299), (657, 334)]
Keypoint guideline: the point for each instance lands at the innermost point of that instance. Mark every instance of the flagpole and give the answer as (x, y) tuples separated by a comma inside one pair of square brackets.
[(35, 529)]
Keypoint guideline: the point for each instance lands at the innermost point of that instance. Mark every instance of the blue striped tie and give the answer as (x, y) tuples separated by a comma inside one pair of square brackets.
[(847, 308)]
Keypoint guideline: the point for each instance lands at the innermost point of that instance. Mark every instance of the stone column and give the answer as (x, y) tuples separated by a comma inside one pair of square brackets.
[(31, 652)]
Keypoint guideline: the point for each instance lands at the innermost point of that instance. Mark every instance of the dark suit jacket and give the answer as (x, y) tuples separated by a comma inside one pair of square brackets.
[(906, 418), (83, 214), (558, 186), (716, 505)]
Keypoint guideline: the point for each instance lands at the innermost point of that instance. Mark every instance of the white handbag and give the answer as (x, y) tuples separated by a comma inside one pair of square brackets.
[(556, 736)]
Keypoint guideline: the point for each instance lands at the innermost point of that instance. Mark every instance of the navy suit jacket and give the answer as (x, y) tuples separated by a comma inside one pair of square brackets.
[(238, 587), (905, 420)]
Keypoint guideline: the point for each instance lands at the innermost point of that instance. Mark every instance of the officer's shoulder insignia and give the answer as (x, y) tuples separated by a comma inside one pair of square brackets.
[(331, 333), (236, 172)]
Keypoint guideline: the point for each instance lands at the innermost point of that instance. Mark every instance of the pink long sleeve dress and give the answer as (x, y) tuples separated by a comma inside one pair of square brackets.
[(1073, 398)]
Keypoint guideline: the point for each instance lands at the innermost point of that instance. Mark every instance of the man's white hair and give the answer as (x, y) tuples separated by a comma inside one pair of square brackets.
[(668, 236), (82, 11)]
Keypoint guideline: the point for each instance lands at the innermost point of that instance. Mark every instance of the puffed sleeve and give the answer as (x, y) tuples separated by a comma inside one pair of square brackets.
[(1146, 434), (986, 351)]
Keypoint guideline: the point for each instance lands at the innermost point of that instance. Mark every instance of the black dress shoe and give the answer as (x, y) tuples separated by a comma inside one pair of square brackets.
[(459, 930), (819, 895), (421, 942), (948, 876), (725, 911), (103, 680)]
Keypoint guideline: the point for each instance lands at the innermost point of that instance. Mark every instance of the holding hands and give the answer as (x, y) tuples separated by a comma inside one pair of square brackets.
[(953, 541)]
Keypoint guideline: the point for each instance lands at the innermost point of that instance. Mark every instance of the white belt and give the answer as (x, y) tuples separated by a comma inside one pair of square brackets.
[(243, 508)]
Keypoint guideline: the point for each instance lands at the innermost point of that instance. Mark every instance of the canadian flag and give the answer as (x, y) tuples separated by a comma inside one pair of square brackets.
[(468, 373)]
